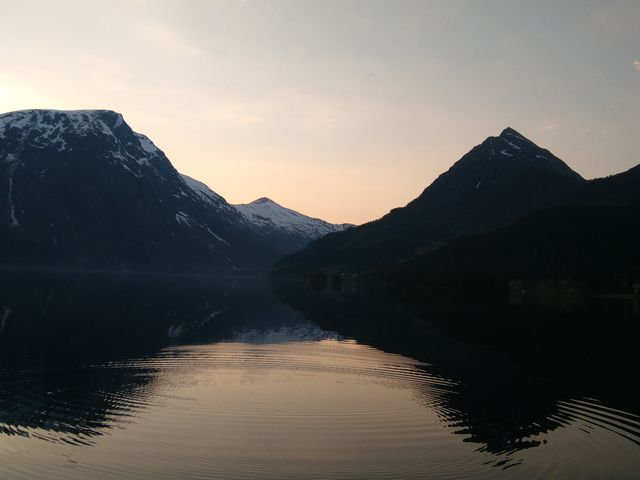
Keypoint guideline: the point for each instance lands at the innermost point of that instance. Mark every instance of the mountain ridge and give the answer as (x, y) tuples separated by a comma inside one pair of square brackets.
[(81, 189), (294, 229), (288, 229), (503, 178), (84, 190)]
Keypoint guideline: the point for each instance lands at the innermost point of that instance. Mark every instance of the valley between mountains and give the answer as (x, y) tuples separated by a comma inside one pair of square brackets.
[(82, 190)]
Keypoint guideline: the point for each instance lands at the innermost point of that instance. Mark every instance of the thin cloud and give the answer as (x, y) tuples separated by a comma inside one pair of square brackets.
[(636, 63)]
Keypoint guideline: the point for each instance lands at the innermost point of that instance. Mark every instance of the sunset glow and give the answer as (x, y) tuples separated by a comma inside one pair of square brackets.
[(344, 123)]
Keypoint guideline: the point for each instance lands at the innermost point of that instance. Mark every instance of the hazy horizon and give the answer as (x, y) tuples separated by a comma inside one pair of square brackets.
[(339, 110)]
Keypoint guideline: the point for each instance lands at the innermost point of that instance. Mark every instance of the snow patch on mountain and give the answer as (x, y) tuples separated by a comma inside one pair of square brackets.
[(202, 191), (66, 131), (47, 128), (12, 208), (511, 144), (146, 144), (204, 194), (51, 151), (265, 217), (184, 219), (217, 237)]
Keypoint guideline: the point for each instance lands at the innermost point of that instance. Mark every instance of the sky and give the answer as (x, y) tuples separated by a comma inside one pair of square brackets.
[(343, 109)]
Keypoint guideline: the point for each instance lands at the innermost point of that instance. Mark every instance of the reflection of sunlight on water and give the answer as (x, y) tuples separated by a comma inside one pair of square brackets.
[(297, 409)]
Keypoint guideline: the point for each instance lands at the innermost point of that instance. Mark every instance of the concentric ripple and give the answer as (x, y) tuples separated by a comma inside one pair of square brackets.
[(308, 409)]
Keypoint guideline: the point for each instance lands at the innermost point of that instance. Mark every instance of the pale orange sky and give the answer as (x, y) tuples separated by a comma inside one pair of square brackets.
[(339, 109)]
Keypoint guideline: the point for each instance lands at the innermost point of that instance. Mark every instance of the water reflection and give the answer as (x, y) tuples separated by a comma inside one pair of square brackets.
[(69, 403), (503, 405), (203, 378)]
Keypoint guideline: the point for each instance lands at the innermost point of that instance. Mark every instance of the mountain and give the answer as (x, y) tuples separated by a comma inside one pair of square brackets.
[(497, 182), (622, 189), (591, 238), (288, 229), (283, 229), (82, 190), (594, 245)]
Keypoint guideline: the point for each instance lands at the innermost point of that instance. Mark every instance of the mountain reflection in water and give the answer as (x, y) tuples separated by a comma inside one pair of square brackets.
[(248, 387)]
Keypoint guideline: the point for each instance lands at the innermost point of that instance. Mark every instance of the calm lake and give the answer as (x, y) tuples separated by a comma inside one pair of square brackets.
[(196, 379)]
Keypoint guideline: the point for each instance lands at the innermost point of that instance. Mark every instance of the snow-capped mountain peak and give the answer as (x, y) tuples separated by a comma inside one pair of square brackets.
[(82, 189), (288, 229), (263, 200), (268, 216), (92, 133), (508, 152), (47, 128)]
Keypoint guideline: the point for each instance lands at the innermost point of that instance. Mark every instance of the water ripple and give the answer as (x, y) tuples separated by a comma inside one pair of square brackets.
[(313, 409)]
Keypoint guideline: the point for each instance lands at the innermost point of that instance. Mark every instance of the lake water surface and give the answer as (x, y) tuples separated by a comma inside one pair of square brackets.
[(248, 387)]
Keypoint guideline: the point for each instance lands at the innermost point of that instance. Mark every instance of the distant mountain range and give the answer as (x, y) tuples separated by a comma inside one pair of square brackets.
[(489, 189), (81, 189)]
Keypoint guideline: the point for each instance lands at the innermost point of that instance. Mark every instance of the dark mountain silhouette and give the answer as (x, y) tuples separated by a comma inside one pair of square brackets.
[(592, 239), (497, 182), (622, 189), (82, 190), (594, 245)]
